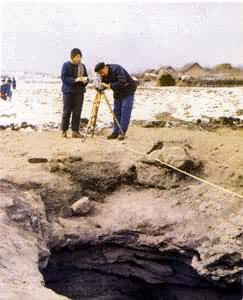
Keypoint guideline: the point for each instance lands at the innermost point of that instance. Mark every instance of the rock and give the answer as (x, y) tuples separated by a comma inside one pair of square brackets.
[(23, 245), (37, 160), (74, 158), (154, 124), (150, 172), (82, 207), (84, 122), (151, 176), (53, 167), (24, 125), (157, 146), (94, 196), (15, 127), (44, 255), (63, 163), (239, 112), (225, 121), (66, 212), (177, 156), (66, 159)]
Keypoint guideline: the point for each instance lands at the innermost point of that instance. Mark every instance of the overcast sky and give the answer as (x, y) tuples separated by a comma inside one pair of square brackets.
[(39, 36)]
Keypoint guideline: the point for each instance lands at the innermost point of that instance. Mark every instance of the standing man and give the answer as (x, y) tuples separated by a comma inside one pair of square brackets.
[(124, 87), (74, 80), (4, 89), (6, 92), (14, 83), (9, 83)]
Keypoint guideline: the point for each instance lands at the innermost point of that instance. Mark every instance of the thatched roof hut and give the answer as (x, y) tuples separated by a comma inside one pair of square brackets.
[(193, 69), (165, 68), (149, 71), (222, 68), (149, 76), (166, 78), (226, 70)]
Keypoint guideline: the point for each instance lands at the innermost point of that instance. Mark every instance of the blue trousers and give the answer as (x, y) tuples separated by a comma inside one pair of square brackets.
[(123, 109)]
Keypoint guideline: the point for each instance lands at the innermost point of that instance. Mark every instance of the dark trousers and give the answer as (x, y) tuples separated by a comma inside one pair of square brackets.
[(123, 109), (72, 104)]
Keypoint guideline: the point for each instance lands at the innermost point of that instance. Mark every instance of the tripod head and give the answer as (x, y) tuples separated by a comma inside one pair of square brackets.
[(100, 91), (97, 84)]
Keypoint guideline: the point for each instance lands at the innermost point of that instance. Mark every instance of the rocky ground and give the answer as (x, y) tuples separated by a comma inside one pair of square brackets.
[(148, 231)]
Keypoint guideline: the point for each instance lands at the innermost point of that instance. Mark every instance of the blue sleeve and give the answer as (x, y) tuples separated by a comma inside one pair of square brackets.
[(8, 90), (86, 75), (66, 78), (121, 79), (4, 89)]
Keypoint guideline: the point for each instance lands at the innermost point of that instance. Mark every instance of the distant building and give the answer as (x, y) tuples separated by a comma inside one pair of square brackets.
[(226, 71), (222, 68), (192, 69), (165, 68), (166, 77)]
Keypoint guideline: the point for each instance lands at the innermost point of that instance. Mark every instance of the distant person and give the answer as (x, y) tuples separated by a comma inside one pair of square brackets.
[(74, 80), (14, 85), (9, 83), (124, 87), (4, 89)]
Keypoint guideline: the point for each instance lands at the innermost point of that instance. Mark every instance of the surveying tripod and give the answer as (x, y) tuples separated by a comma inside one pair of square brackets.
[(94, 114)]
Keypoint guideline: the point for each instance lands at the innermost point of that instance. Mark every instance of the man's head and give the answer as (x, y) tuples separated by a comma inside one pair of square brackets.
[(3, 80), (102, 69), (76, 55)]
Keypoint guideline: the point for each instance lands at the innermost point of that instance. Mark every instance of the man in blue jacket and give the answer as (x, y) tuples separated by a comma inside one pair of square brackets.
[(14, 83), (117, 78), (74, 80), (5, 90)]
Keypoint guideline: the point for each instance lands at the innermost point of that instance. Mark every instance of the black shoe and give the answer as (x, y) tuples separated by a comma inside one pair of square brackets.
[(121, 137), (76, 134), (64, 134), (112, 136)]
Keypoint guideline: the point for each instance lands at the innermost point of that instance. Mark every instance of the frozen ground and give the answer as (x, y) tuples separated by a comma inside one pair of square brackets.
[(41, 104)]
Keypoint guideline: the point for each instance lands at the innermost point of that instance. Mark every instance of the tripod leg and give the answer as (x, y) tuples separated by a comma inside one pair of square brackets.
[(92, 115), (112, 113), (96, 112)]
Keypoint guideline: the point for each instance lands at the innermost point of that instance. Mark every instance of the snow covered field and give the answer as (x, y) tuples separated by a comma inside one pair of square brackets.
[(41, 104)]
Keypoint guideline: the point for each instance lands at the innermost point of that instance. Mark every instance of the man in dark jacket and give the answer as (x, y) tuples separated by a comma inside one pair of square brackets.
[(124, 87), (14, 83), (5, 90), (74, 80), (9, 83)]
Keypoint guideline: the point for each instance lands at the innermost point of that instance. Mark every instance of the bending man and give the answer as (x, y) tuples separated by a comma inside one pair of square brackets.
[(117, 78)]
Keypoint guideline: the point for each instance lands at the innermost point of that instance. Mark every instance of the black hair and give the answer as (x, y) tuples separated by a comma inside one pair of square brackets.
[(99, 66), (75, 51)]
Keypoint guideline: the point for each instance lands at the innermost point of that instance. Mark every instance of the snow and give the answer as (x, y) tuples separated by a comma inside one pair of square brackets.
[(40, 103)]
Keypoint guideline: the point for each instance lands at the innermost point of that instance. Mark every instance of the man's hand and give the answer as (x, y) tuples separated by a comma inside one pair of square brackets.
[(84, 79), (105, 85), (81, 79), (78, 79)]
